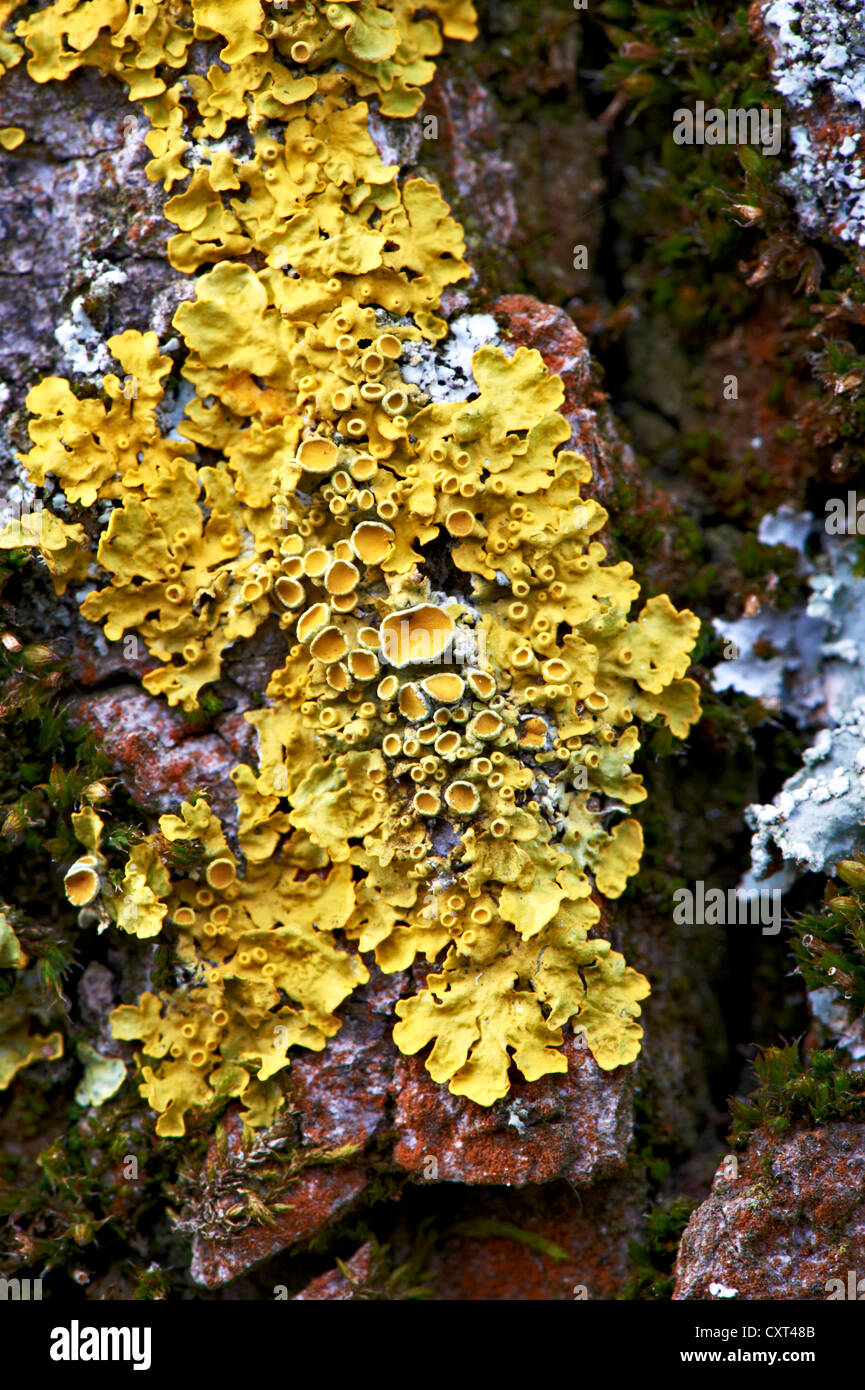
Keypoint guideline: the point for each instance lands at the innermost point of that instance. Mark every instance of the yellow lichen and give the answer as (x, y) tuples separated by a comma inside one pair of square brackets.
[(10, 51), (446, 753), (19, 1047), (12, 956), (247, 943)]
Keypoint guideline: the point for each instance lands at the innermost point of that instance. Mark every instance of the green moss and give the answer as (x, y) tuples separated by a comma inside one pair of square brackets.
[(73, 1202), (201, 718), (152, 1284), (829, 944), (710, 245), (812, 1089), (796, 1085), (391, 1277), (483, 1226), (653, 1258), (663, 59)]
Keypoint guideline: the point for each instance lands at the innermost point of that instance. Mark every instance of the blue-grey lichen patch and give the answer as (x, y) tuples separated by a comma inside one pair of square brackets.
[(816, 675), (818, 66), (818, 814), (793, 637), (809, 660), (787, 527), (838, 602), (775, 655)]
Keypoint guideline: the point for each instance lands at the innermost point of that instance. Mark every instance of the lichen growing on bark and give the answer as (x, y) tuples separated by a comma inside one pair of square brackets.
[(446, 754)]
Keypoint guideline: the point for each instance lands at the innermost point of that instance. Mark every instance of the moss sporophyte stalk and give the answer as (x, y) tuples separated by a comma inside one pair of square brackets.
[(445, 765)]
